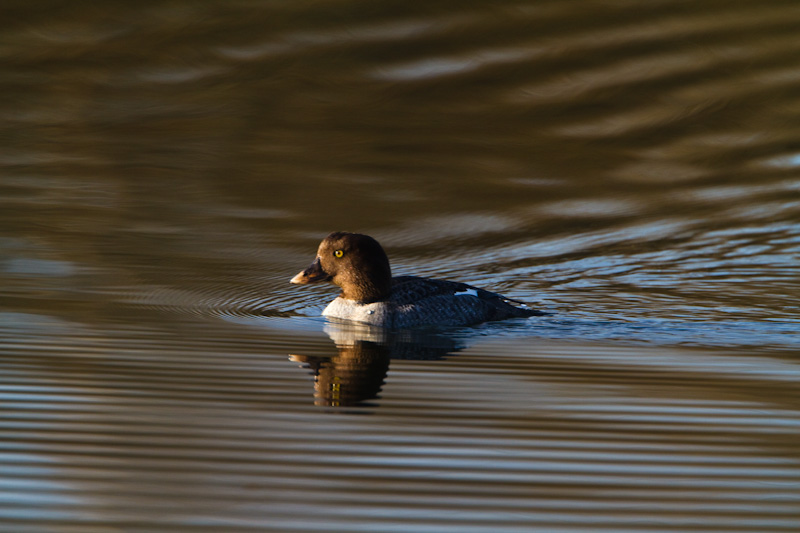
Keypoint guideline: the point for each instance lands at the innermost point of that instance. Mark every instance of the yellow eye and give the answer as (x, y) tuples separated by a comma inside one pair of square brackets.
[(338, 253)]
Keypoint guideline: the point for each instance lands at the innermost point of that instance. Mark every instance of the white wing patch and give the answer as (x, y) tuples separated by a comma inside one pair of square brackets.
[(468, 292)]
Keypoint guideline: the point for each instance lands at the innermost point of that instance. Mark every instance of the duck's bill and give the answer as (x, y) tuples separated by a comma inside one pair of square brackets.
[(312, 274)]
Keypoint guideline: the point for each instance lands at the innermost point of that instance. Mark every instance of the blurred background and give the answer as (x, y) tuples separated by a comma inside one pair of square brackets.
[(631, 167)]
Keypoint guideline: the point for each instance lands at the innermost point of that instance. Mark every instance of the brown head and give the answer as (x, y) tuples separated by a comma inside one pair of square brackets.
[(354, 262)]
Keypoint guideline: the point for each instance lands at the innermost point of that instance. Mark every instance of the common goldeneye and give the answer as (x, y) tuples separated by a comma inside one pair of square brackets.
[(370, 294)]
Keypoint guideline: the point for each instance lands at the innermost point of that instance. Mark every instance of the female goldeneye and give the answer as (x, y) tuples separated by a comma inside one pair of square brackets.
[(370, 294)]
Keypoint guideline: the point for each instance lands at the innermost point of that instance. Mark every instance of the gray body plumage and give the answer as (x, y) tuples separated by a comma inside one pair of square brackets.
[(416, 302)]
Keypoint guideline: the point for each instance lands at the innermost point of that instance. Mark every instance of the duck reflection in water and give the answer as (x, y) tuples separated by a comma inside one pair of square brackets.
[(357, 373)]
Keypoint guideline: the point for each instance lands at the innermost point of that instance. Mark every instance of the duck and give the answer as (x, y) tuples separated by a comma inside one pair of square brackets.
[(358, 264)]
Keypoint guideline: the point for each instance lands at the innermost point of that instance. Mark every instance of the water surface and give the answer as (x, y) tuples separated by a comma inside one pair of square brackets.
[(631, 168)]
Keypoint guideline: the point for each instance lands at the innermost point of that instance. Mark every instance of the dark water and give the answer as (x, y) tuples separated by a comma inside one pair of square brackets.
[(631, 167)]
